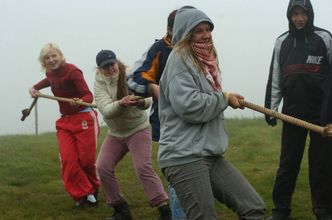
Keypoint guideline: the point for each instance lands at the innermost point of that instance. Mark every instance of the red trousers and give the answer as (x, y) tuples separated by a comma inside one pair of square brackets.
[(77, 137)]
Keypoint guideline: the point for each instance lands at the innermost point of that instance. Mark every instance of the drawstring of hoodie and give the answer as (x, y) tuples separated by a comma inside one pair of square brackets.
[(305, 39)]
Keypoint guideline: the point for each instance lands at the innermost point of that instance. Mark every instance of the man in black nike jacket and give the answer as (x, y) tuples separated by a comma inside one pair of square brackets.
[(300, 67)]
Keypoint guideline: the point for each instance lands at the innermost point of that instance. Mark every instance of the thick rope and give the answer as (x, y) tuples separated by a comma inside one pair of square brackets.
[(62, 99), (284, 117)]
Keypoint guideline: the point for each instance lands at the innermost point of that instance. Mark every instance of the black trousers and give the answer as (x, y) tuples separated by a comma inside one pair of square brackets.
[(154, 121), (293, 141)]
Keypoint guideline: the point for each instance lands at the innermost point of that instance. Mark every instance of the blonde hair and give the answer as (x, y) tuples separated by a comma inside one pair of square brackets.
[(184, 48), (45, 50)]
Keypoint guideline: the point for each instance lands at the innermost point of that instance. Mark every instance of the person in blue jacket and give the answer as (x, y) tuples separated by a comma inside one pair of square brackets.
[(300, 67), (144, 81), (146, 73)]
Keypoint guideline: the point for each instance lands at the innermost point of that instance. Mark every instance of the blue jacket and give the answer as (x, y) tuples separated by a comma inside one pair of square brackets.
[(149, 70)]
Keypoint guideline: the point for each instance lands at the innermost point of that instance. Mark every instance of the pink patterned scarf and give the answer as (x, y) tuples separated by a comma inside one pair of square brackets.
[(203, 51)]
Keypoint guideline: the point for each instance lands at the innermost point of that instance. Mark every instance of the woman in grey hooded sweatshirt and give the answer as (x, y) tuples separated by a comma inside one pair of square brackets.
[(193, 137)]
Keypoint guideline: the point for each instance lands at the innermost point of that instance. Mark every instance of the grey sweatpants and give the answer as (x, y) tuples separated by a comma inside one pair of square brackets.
[(199, 183)]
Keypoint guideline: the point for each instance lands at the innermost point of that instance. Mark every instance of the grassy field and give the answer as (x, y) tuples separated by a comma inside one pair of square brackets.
[(31, 187)]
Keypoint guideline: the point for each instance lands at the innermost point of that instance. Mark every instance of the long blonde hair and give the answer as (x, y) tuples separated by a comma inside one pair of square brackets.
[(45, 50), (184, 48)]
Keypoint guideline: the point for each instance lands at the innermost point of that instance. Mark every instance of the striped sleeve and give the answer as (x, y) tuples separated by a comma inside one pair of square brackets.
[(145, 71), (273, 94)]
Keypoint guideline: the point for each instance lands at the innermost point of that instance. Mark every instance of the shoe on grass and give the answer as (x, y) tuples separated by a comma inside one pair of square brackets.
[(88, 201)]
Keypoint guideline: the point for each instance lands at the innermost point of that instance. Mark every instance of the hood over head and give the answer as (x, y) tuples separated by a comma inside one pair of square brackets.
[(306, 5), (186, 19)]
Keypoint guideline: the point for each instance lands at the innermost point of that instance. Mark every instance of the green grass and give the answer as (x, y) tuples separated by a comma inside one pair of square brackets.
[(31, 187)]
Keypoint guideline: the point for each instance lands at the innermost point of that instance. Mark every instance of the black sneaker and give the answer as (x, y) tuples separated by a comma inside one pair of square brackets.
[(327, 217), (279, 216), (121, 212), (323, 214), (165, 212)]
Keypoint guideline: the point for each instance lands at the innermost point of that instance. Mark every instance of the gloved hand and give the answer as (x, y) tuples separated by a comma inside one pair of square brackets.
[(270, 120)]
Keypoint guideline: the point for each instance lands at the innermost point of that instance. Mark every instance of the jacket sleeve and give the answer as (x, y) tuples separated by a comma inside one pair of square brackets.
[(42, 84), (147, 104), (108, 107), (326, 113), (78, 78), (273, 94), (193, 105), (146, 71)]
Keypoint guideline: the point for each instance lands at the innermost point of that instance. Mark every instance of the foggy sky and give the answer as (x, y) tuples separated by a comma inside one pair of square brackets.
[(244, 36)]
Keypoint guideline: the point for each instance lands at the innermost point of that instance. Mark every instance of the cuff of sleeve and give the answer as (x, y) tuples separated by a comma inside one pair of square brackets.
[(120, 106), (226, 96), (142, 105)]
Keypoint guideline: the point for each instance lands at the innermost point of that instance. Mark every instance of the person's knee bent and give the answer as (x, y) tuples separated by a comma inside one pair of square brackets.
[(104, 170)]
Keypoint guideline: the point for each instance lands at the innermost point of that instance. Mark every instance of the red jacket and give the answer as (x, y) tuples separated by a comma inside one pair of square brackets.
[(67, 81)]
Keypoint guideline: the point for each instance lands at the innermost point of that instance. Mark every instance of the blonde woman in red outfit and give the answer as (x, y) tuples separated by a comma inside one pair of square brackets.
[(77, 128)]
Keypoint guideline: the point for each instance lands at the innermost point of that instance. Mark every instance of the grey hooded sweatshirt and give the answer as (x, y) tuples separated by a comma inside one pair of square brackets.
[(191, 112)]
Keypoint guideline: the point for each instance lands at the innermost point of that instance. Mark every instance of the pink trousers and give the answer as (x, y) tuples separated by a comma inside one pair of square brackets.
[(113, 150)]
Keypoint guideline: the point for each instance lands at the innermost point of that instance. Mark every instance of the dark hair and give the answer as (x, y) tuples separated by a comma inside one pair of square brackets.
[(170, 19)]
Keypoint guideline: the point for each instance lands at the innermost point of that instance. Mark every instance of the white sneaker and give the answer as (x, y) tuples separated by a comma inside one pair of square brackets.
[(91, 198)]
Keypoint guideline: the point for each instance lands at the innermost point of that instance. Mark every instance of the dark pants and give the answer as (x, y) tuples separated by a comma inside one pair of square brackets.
[(154, 121), (293, 141)]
